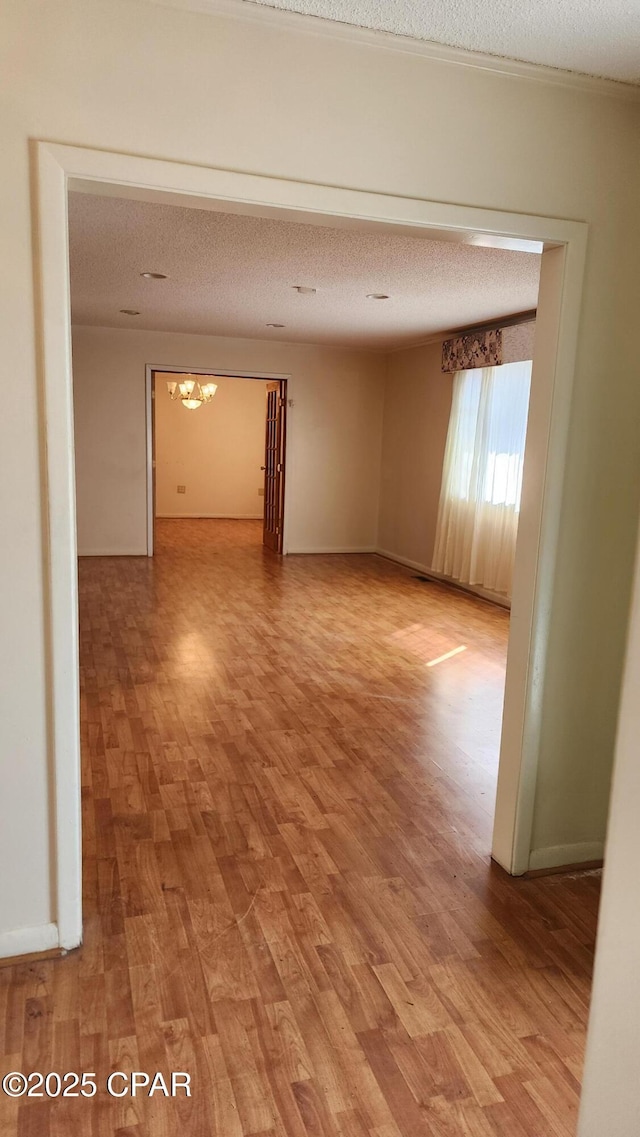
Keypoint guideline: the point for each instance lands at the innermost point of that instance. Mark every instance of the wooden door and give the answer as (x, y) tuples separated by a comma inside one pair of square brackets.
[(151, 498), (274, 465)]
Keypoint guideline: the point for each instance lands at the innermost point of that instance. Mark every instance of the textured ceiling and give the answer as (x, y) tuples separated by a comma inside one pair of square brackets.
[(595, 37), (230, 275)]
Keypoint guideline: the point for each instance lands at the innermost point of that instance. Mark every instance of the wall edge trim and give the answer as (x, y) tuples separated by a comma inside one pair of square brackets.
[(556, 855), (440, 578), (210, 516), (112, 552), (25, 941), (333, 549)]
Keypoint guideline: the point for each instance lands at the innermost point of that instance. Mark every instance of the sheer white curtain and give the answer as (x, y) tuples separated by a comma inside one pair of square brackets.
[(482, 476)]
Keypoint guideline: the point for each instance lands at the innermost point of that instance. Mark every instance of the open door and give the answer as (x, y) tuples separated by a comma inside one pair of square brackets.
[(274, 465)]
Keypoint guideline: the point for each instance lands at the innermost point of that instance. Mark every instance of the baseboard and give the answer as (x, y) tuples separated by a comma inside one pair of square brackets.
[(211, 516), (402, 561), (112, 552), (31, 957), (564, 856), (26, 941), (559, 870), (334, 549), (439, 578)]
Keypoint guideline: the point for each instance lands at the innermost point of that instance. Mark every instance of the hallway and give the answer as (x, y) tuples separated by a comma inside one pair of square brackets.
[(289, 775)]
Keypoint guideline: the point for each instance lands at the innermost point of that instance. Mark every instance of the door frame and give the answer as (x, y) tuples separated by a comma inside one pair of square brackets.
[(171, 369), (59, 168)]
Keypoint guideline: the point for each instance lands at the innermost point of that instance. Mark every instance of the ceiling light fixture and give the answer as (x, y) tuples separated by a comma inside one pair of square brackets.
[(154, 275), (275, 325), (129, 312), (377, 296), (304, 289), (191, 392)]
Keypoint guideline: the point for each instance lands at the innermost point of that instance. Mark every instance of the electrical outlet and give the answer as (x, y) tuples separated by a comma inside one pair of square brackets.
[(261, 491), (181, 489)]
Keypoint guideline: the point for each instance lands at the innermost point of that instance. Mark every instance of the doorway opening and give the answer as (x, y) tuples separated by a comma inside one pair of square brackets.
[(562, 245), (215, 472)]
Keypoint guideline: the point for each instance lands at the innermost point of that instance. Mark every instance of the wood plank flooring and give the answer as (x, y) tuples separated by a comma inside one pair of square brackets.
[(288, 889)]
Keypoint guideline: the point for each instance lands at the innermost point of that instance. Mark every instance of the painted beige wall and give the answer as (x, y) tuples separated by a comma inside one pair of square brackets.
[(93, 73), (334, 432), (610, 1101), (215, 452), (109, 438), (417, 406)]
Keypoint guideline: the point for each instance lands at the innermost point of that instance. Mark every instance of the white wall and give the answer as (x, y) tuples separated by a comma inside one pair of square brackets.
[(215, 452), (94, 73), (334, 432)]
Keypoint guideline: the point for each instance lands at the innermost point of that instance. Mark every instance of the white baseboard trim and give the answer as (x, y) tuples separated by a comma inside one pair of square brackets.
[(25, 941), (557, 855), (334, 549), (439, 578), (214, 516), (112, 552)]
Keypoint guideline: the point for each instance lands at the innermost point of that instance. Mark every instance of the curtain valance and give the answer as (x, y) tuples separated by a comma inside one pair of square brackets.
[(476, 349)]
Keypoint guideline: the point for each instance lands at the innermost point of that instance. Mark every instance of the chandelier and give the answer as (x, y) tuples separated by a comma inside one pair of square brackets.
[(191, 392)]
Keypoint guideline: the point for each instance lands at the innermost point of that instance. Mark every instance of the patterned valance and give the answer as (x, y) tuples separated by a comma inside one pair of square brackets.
[(477, 349)]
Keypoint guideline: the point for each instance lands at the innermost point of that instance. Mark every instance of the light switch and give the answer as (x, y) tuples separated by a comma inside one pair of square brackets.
[(182, 489)]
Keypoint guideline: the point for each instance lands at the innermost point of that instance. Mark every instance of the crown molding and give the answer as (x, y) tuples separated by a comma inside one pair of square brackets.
[(279, 19)]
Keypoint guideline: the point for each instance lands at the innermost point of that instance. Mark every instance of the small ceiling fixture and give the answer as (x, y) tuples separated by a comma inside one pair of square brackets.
[(275, 325), (129, 312), (304, 289), (154, 275), (377, 296), (191, 392)]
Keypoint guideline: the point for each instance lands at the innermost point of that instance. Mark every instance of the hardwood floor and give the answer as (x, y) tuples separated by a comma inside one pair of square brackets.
[(288, 890)]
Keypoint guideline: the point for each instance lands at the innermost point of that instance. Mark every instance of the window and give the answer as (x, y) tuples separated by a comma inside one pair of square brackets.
[(482, 476)]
